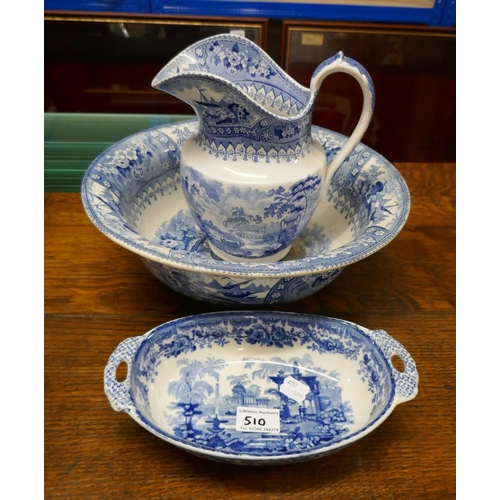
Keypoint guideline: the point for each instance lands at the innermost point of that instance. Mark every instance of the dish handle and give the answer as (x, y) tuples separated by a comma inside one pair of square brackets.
[(118, 393), (407, 379)]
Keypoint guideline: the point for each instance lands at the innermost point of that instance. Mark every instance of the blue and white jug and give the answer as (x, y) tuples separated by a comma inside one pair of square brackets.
[(253, 175)]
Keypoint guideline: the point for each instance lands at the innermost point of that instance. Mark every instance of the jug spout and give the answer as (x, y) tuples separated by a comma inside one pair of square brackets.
[(243, 99), (242, 67)]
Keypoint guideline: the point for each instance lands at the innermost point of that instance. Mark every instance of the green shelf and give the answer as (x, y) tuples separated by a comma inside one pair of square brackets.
[(73, 140)]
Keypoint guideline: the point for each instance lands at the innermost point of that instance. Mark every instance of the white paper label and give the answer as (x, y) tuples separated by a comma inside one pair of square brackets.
[(250, 419), (237, 32), (294, 389), (312, 39)]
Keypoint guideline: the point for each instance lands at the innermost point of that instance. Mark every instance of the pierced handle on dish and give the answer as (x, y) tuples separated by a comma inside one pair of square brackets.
[(118, 393), (341, 64), (407, 380)]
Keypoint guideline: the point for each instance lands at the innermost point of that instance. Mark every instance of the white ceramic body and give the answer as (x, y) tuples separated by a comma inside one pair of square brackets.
[(252, 174), (238, 225)]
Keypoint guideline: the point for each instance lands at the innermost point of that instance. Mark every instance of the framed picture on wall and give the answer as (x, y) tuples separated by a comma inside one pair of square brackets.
[(429, 12), (413, 71)]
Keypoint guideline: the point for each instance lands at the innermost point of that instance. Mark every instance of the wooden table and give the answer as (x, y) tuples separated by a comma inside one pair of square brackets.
[(97, 294)]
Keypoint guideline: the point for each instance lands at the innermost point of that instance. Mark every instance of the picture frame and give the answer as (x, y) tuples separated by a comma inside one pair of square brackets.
[(413, 71), (428, 12)]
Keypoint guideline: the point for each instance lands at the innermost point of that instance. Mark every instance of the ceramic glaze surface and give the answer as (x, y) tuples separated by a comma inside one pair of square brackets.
[(253, 174), (132, 193), (248, 221), (188, 380)]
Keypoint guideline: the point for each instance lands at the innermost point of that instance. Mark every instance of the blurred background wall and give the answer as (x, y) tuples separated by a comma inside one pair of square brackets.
[(101, 56)]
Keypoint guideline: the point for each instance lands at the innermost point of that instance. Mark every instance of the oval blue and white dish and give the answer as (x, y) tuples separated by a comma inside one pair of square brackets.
[(260, 387), (132, 193)]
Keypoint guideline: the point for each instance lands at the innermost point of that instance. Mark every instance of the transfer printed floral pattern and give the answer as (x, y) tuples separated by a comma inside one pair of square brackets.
[(248, 108), (220, 289), (200, 412), (228, 216), (181, 234), (207, 381)]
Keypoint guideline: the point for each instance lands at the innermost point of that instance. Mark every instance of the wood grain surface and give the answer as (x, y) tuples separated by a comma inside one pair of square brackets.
[(97, 294)]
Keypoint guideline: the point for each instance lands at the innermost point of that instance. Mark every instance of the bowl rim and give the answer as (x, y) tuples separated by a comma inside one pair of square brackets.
[(367, 428), (182, 260)]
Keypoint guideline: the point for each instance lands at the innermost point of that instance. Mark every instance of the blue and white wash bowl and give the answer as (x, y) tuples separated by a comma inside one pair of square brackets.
[(132, 193), (253, 174), (260, 388)]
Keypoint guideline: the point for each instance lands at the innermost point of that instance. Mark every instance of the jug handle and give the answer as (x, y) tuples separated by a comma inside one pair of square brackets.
[(340, 63)]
